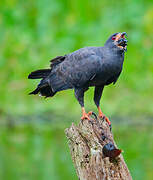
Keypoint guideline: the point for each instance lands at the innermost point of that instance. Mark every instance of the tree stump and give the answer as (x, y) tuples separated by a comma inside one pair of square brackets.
[(94, 152)]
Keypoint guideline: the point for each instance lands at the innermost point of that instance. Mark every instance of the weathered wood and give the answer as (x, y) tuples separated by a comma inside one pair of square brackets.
[(86, 142)]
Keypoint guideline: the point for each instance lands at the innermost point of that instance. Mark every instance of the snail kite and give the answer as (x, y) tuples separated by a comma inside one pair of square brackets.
[(81, 69)]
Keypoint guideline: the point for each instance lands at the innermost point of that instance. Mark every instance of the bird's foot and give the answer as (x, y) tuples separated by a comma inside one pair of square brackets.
[(85, 116), (102, 116)]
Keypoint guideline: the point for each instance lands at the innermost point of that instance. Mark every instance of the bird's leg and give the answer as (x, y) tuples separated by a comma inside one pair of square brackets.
[(101, 115), (79, 94), (97, 97)]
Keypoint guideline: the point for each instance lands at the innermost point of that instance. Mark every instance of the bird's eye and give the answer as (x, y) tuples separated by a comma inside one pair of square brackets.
[(113, 38)]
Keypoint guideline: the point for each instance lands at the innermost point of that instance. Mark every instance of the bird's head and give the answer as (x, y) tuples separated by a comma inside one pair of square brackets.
[(117, 40)]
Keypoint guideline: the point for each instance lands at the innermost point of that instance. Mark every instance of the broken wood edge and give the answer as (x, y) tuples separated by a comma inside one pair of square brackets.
[(87, 141)]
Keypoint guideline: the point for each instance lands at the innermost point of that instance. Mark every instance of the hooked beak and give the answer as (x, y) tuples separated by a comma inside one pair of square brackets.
[(124, 34), (121, 41)]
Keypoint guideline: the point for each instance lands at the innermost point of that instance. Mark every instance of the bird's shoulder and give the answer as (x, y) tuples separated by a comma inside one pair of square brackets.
[(85, 53), (57, 60)]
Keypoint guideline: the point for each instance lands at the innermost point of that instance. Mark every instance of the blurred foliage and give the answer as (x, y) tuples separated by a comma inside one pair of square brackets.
[(34, 31), (41, 152)]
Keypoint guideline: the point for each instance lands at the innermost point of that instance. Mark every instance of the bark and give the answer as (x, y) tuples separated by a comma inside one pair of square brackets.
[(94, 152)]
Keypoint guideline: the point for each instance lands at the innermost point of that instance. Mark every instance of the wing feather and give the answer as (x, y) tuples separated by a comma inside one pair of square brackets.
[(79, 71)]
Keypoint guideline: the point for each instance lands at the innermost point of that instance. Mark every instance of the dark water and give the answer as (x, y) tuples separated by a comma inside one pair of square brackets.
[(35, 147)]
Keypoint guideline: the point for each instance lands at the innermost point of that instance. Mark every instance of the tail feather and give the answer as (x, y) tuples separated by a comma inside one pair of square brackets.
[(42, 73), (47, 92), (43, 91), (50, 83), (36, 91)]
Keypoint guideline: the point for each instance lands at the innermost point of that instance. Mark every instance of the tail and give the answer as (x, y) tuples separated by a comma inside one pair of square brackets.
[(42, 73), (44, 90), (43, 87), (50, 83)]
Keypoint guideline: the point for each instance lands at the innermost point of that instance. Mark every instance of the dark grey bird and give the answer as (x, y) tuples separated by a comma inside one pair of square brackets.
[(81, 69)]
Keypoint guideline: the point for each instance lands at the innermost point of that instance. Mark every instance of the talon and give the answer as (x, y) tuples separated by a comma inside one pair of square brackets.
[(110, 126), (108, 121), (89, 113), (101, 115), (94, 115)]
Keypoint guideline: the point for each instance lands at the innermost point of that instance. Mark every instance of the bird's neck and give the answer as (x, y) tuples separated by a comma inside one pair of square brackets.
[(111, 55), (114, 51)]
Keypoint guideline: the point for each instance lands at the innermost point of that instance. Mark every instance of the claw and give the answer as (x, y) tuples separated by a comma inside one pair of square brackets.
[(94, 115), (89, 113), (101, 115), (108, 122), (110, 127)]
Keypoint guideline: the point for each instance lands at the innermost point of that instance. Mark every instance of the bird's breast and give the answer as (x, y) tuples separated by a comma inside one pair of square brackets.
[(109, 72)]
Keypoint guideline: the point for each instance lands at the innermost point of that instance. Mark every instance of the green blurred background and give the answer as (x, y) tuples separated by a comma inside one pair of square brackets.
[(32, 140)]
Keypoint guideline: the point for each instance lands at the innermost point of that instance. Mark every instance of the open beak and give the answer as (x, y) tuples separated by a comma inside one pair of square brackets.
[(123, 34), (121, 41)]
